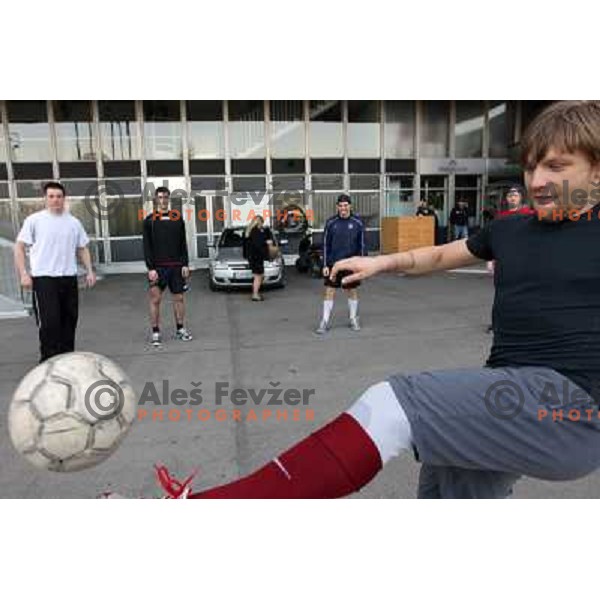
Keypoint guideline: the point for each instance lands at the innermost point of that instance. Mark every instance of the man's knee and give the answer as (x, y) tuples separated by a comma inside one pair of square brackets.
[(155, 295), (381, 415)]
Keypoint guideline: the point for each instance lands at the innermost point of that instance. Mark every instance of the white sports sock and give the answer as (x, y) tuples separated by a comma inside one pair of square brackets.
[(381, 415), (327, 309), (353, 308)]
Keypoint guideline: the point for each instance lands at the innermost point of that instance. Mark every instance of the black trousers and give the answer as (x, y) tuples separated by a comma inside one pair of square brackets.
[(56, 306)]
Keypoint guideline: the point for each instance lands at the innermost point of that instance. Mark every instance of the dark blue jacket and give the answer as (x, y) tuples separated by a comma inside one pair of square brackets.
[(343, 238)]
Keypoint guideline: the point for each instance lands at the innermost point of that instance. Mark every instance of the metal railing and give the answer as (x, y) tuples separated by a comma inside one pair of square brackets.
[(12, 299)]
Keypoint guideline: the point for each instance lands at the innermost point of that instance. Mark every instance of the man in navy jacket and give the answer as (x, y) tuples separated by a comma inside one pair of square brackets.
[(344, 237)]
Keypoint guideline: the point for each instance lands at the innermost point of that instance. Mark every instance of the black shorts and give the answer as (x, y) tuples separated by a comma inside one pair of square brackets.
[(338, 281), (257, 265), (170, 277)]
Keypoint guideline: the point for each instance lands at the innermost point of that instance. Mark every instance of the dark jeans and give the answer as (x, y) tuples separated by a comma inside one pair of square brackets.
[(56, 306)]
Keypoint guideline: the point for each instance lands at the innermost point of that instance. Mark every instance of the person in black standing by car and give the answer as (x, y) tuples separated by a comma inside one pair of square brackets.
[(257, 243), (166, 256), (459, 219), (426, 209)]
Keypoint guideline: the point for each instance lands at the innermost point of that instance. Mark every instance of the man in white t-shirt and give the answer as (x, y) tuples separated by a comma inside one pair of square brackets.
[(56, 239)]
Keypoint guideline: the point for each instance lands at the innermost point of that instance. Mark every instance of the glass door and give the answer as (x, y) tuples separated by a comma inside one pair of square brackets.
[(210, 218)]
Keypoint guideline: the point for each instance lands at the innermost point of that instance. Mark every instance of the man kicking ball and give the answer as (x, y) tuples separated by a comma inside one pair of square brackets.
[(166, 255), (477, 430), (344, 236)]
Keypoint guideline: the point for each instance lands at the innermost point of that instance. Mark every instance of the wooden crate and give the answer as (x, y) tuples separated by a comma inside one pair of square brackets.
[(399, 234)]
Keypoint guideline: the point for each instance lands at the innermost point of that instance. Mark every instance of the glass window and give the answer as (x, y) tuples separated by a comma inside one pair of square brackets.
[(118, 130), (287, 183), (81, 209), (74, 132), (162, 129), (29, 189), (83, 188), (29, 131), (363, 128), (125, 220), (201, 214), (400, 195), (326, 132), (500, 134), (364, 182), (468, 130), (434, 190), (2, 142), (206, 129), (249, 184), (218, 213), (435, 128), (399, 128), (323, 208), (247, 129), (6, 227), (287, 128), (366, 206), (327, 182)]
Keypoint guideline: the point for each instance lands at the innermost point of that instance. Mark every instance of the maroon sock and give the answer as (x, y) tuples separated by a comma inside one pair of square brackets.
[(333, 462)]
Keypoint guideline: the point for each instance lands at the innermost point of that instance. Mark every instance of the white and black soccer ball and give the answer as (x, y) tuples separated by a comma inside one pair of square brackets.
[(71, 412)]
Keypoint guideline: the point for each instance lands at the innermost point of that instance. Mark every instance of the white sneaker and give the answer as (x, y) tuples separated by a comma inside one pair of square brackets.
[(156, 340), (184, 335), (323, 327), (354, 324)]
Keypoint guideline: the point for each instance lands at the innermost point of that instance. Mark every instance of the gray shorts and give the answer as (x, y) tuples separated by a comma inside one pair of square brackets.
[(477, 430)]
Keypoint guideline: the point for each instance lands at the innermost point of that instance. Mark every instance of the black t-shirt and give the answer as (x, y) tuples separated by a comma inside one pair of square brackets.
[(459, 216), (547, 299), (164, 242), (257, 243)]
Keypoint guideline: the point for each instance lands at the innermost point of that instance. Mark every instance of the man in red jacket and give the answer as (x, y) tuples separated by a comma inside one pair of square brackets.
[(514, 204)]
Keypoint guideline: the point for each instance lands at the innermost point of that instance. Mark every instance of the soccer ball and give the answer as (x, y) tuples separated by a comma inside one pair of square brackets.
[(71, 412)]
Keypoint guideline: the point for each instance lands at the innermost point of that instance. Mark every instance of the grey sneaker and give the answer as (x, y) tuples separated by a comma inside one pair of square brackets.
[(323, 327), (156, 340), (184, 335), (354, 324)]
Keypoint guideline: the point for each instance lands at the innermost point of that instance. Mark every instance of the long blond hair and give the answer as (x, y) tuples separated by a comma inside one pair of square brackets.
[(254, 223)]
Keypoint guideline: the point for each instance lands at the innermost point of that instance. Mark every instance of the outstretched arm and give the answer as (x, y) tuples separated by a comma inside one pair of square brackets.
[(414, 262)]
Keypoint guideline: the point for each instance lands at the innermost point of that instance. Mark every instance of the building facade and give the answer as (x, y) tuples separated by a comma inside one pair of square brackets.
[(386, 154)]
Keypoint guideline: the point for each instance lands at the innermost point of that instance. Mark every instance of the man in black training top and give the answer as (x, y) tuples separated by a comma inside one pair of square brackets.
[(166, 256)]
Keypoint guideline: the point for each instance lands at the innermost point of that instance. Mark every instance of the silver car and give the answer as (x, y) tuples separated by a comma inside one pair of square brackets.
[(229, 269)]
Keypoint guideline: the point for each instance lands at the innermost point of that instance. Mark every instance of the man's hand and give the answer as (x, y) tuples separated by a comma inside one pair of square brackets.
[(361, 267), (90, 279), (26, 281), (185, 272), (152, 275)]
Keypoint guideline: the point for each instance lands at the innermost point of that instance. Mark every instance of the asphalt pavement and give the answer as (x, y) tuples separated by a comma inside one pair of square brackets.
[(408, 324)]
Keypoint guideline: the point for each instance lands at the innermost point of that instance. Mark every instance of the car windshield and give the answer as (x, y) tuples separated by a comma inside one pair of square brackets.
[(232, 238)]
